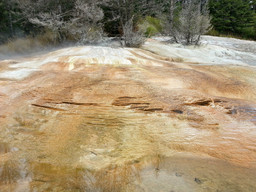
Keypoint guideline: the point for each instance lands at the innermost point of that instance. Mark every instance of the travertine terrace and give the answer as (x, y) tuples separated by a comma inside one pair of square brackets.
[(158, 118)]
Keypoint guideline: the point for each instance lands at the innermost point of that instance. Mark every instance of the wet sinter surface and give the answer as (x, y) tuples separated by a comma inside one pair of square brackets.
[(111, 149), (76, 123)]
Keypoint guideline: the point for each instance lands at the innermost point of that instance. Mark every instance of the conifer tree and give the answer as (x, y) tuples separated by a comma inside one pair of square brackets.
[(231, 16)]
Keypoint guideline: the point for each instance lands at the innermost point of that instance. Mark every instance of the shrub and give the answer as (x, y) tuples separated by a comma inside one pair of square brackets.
[(186, 21), (131, 36), (151, 26), (192, 22)]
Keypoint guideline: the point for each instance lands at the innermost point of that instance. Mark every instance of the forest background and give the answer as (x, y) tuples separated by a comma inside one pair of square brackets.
[(52, 22)]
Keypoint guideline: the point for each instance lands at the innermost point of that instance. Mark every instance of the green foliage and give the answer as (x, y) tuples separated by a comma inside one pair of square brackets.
[(151, 26), (232, 16), (10, 24), (213, 32), (3, 17), (248, 33)]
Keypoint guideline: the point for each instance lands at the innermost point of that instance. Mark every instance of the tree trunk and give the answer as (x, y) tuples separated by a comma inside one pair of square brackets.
[(10, 20)]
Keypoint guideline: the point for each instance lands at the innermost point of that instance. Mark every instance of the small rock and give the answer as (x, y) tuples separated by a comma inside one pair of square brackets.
[(14, 149), (41, 156), (177, 111), (178, 174), (198, 181)]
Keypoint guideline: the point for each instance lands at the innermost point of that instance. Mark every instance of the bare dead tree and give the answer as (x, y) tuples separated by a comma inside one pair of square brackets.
[(127, 13), (52, 22), (168, 14), (132, 38), (85, 24), (81, 22), (190, 22), (46, 18)]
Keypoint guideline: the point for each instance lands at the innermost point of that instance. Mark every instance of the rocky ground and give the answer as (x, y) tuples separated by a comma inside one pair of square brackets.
[(160, 118)]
